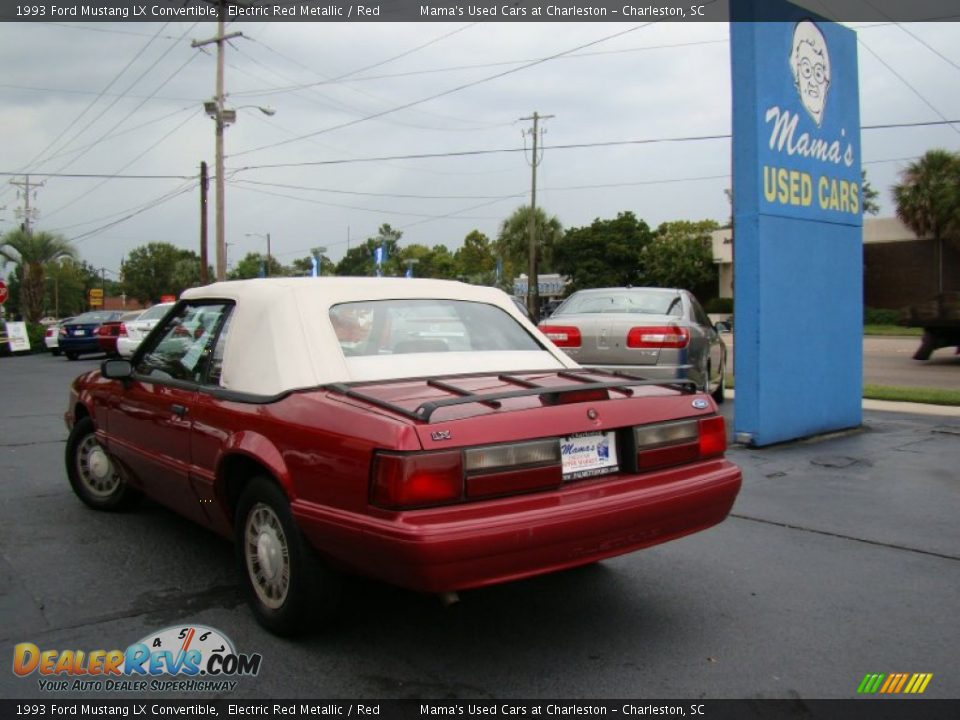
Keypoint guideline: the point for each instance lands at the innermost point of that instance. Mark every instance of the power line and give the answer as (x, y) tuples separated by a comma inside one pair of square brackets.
[(906, 82), (444, 93), (566, 146)]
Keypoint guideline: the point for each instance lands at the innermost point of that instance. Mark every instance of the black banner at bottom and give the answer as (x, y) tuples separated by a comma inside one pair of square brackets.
[(854, 709)]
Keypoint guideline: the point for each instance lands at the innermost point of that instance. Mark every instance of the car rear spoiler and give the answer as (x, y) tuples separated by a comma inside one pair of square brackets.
[(549, 394)]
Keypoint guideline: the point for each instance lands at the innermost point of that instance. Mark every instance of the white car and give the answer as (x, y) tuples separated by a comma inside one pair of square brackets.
[(51, 337), (133, 332)]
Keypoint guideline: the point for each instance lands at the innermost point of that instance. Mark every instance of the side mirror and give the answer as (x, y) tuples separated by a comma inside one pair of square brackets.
[(116, 369)]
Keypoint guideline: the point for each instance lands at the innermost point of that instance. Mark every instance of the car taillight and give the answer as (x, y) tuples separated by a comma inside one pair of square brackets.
[(674, 443), (63, 331), (123, 330), (713, 437), (416, 480), (658, 337), (562, 335), (49, 332)]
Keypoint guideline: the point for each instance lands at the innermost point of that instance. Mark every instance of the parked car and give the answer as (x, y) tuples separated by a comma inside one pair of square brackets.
[(652, 332), (133, 332), (109, 333), (79, 336), (51, 336), (420, 432)]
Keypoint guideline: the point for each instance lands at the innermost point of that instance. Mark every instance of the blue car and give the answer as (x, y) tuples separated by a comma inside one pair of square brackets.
[(79, 336)]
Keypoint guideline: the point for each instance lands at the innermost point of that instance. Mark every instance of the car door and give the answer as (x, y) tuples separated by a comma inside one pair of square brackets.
[(150, 422)]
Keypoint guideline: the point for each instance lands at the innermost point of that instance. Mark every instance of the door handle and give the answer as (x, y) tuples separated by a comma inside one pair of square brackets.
[(178, 410)]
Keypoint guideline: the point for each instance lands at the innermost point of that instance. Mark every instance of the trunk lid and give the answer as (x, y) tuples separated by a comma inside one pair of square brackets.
[(457, 411)]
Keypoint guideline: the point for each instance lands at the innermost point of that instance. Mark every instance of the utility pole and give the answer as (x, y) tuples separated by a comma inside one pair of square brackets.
[(222, 117), (533, 280), (28, 213), (267, 272), (204, 187)]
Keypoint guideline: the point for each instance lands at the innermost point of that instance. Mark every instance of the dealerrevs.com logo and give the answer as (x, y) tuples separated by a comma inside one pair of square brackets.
[(181, 658)]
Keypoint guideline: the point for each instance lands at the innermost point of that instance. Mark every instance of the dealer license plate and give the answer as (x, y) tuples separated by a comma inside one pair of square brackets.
[(588, 454)]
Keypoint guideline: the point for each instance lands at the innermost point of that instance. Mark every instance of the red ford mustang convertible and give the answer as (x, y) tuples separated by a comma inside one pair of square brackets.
[(420, 432)]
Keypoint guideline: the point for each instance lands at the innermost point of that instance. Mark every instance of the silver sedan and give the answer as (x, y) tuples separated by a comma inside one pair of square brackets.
[(659, 333)]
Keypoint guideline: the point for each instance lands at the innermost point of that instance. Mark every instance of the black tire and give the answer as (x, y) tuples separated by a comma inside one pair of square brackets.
[(71, 355), (719, 395), (91, 472), (55, 352), (286, 585)]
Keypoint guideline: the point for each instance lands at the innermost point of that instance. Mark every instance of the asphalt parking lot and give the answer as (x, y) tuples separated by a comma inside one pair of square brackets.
[(842, 558)]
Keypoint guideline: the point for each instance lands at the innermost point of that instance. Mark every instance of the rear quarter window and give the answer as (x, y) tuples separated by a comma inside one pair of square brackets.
[(400, 327)]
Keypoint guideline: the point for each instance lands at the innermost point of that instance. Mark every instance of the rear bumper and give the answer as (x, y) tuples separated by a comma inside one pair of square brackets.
[(653, 372), (80, 346), (126, 346), (484, 543)]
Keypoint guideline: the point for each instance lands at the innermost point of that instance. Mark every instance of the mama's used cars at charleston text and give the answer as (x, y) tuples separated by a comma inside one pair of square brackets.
[(419, 432)]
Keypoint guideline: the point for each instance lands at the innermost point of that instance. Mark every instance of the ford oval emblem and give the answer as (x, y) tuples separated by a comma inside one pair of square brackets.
[(701, 404)]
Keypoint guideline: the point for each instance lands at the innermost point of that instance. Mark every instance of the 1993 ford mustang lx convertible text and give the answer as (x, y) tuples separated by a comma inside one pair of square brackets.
[(419, 432)]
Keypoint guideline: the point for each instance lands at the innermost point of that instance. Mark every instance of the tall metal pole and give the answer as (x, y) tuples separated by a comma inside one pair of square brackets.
[(220, 230), (267, 273)]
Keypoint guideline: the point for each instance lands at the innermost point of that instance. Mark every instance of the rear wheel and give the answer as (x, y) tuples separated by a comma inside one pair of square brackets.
[(71, 355), (92, 474), (287, 587)]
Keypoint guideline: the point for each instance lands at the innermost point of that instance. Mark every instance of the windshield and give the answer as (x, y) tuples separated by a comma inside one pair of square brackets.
[(644, 302), (94, 317), (393, 327)]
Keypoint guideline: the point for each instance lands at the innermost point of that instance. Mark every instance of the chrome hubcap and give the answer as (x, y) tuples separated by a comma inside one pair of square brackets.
[(268, 557), (95, 469)]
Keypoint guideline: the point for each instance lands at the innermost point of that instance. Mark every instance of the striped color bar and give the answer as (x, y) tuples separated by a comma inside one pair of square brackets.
[(894, 683)]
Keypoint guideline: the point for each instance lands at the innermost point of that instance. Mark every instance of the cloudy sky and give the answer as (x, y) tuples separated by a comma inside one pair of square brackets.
[(126, 100)]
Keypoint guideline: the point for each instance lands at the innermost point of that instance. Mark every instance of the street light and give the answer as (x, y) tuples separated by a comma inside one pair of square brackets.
[(267, 236), (223, 116)]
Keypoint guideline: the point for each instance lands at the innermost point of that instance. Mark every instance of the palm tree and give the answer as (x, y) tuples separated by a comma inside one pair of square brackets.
[(32, 252), (928, 199)]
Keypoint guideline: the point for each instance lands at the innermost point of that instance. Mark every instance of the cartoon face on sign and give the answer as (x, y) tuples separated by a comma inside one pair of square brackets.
[(810, 63)]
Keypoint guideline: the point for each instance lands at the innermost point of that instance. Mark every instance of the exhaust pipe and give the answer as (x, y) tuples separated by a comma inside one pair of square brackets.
[(448, 598)]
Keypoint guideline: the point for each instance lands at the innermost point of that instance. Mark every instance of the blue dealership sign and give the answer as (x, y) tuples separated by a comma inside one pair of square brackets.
[(798, 257)]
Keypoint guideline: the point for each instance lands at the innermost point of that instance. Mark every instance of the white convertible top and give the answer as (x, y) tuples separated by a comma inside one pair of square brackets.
[(281, 338)]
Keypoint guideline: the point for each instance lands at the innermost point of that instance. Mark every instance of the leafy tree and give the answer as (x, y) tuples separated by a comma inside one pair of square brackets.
[(475, 259), (513, 241), (360, 260), (68, 285), (928, 199), (607, 253), (869, 194), (253, 265), (681, 256), (157, 269), (32, 252)]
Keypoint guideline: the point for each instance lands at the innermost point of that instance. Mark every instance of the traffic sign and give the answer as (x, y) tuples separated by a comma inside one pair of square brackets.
[(3, 292), (95, 297)]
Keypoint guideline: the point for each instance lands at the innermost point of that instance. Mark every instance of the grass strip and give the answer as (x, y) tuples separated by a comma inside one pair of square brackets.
[(892, 330), (928, 396)]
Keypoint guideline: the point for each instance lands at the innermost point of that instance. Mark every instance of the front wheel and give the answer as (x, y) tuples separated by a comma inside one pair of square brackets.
[(286, 586), (91, 472)]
